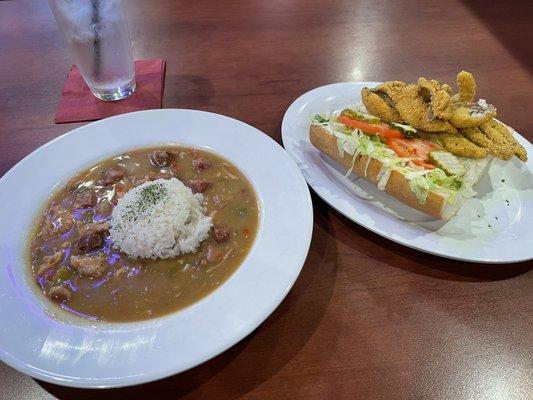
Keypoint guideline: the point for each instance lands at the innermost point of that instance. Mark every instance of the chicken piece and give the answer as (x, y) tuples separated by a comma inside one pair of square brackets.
[(60, 222), (199, 185), (94, 227), (59, 293), (112, 175), (468, 115), (104, 208), (89, 242), (49, 262), (417, 113), (439, 98), (221, 233), (456, 144), (161, 158), (380, 105), (498, 150), (200, 164), (466, 85), (121, 188), (90, 266), (84, 198)]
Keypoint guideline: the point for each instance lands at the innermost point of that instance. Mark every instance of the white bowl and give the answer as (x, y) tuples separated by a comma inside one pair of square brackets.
[(57, 347)]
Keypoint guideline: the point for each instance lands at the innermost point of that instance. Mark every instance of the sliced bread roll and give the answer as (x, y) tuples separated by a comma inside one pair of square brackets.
[(397, 185)]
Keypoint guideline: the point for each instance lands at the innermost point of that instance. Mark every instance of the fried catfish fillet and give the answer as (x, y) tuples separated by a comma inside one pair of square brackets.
[(379, 104), (392, 89), (438, 96), (417, 113), (466, 85), (500, 134), (469, 115), (429, 107), (456, 144), (498, 150)]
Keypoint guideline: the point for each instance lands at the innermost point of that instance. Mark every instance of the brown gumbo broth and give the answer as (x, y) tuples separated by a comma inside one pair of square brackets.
[(73, 259)]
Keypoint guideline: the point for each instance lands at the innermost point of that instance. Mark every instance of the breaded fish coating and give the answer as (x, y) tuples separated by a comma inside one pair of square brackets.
[(466, 85), (439, 98), (417, 113), (447, 88), (501, 135), (460, 146), (456, 144), (380, 105), (460, 125), (393, 90), (468, 115), (495, 132), (428, 87), (519, 150), (498, 150)]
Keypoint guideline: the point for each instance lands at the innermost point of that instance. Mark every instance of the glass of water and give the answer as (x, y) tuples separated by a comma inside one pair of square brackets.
[(99, 41)]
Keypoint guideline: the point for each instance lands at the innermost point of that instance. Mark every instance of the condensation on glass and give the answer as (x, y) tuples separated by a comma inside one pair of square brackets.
[(98, 38)]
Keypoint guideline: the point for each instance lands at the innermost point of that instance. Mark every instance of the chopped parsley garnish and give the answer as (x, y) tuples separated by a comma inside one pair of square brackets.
[(148, 197)]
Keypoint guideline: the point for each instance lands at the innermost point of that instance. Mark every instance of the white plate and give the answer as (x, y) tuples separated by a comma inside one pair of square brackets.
[(493, 227), (76, 352)]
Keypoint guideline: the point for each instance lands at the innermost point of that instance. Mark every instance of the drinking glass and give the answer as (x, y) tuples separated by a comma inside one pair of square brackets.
[(97, 34)]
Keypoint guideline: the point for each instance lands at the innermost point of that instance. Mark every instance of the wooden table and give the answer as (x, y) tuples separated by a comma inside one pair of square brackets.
[(367, 318)]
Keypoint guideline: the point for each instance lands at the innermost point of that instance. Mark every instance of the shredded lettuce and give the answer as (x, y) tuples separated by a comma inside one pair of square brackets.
[(420, 187), (439, 178), (320, 119), (421, 181)]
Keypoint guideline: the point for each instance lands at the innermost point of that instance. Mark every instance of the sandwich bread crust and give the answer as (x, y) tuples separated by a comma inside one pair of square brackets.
[(370, 168)]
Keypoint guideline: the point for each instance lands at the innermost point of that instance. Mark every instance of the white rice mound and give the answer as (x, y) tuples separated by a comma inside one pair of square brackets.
[(159, 219)]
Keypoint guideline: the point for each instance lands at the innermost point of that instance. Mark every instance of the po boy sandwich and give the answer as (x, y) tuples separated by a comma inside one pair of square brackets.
[(418, 142)]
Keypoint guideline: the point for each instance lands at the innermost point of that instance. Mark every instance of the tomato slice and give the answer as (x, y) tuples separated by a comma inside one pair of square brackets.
[(417, 150), (423, 163), (375, 129)]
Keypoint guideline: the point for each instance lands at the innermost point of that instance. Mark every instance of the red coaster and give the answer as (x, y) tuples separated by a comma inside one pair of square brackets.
[(78, 104)]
